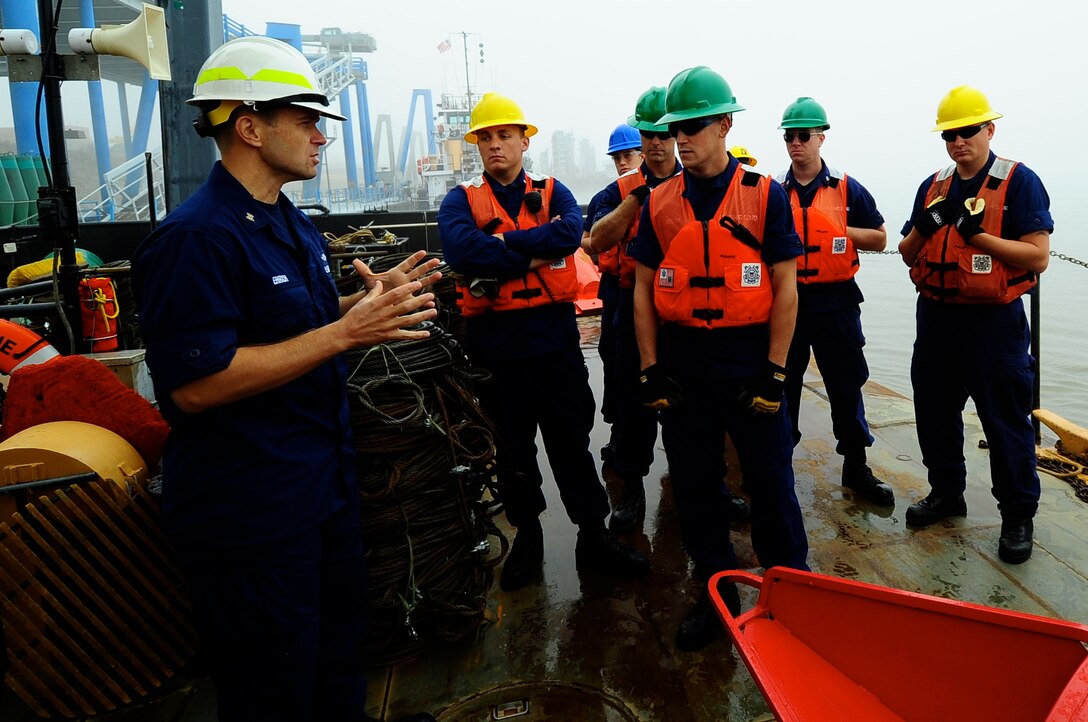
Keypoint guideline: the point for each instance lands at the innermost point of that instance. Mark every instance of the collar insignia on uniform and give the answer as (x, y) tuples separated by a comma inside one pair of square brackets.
[(249, 217)]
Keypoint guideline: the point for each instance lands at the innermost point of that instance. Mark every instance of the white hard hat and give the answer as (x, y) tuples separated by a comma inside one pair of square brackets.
[(256, 69)]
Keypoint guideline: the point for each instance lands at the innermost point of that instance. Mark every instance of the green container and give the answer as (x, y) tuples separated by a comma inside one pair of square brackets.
[(18, 189), (31, 181), (39, 166), (7, 202)]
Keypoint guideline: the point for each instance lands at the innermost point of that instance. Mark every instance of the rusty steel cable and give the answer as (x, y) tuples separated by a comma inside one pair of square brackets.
[(424, 449), (445, 290)]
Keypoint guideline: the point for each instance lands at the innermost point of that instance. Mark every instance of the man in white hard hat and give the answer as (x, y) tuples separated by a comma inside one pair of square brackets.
[(244, 331)]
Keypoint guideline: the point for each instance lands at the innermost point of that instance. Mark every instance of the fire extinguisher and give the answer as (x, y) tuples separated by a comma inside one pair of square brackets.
[(99, 312)]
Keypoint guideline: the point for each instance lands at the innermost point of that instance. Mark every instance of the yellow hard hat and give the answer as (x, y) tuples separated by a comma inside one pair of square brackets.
[(495, 110), (741, 153), (964, 106)]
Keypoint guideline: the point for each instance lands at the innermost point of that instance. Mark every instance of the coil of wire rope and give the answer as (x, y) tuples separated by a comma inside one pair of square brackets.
[(423, 449), (445, 290)]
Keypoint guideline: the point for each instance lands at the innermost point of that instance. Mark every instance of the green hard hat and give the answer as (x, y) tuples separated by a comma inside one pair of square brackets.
[(650, 107), (698, 92), (804, 113)]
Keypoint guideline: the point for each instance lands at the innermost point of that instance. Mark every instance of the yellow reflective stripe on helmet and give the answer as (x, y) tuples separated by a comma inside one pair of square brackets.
[(265, 76)]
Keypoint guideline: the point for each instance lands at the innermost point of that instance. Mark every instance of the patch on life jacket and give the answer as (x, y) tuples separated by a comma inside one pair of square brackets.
[(665, 277), (751, 274), (838, 244), (981, 263), (560, 264)]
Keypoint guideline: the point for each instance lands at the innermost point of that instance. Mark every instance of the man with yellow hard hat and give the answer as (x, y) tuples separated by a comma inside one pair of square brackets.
[(741, 154), (977, 239), (519, 230)]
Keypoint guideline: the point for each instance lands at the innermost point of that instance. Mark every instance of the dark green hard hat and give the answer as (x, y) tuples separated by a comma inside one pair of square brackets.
[(804, 113), (650, 107)]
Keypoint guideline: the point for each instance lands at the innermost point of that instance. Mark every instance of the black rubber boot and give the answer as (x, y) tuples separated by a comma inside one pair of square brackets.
[(702, 624), (598, 549), (1016, 540), (526, 557), (934, 508), (630, 509)]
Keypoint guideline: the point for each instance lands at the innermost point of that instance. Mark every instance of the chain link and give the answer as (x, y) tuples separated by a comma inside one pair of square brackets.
[(1066, 466), (1055, 254), (1064, 257)]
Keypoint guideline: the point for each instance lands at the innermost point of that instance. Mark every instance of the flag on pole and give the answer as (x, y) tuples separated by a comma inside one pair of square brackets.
[(444, 45)]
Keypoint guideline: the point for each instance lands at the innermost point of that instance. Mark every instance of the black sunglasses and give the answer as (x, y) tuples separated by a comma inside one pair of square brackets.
[(691, 127), (949, 136), (659, 134), (802, 135)]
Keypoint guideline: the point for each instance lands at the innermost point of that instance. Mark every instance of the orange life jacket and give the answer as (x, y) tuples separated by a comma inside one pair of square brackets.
[(626, 264), (554, 283), (952, 270), (609, 261), (711, 277), (830, 255)]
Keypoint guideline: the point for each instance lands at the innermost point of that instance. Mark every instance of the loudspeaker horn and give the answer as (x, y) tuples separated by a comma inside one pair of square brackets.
[(15, 41), (142, 40)]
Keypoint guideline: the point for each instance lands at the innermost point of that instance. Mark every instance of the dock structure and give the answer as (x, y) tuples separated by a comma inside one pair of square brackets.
[(579, 646)]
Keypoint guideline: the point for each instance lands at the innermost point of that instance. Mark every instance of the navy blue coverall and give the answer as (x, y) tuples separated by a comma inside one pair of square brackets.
[(538, 376), (829, 327), (259, 495), (635, 431), (981, 351), (711, 365), (608, 291)]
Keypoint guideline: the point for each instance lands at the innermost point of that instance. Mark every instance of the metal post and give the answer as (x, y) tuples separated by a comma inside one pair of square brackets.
[(57, 202), (151, 212), (468, 87), (1036, 351)]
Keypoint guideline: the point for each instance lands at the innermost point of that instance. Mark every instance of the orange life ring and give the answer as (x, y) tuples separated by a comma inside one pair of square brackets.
[(423, 164), (19, 346)]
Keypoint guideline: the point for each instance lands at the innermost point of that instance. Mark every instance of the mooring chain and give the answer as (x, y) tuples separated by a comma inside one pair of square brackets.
[(1066, 466)]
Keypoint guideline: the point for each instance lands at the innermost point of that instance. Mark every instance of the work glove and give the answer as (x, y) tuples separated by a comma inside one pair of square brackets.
[(490, 226), (969, 224), (762, 394), (939, 213), (657, 390), (641, 193)]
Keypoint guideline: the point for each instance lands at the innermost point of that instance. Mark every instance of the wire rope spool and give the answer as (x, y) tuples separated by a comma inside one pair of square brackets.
[(423, 448)]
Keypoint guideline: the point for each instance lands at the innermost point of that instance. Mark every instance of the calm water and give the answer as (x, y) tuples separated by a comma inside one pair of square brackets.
[(888, 320)]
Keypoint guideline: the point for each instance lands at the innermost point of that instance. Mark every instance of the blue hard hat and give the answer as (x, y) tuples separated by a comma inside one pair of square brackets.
[(624, 137)]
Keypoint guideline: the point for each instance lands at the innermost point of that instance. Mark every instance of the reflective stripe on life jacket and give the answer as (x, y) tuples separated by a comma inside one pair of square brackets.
[(713, 275), (554, 283), (19, 346), (952, 270), (830, 255)]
